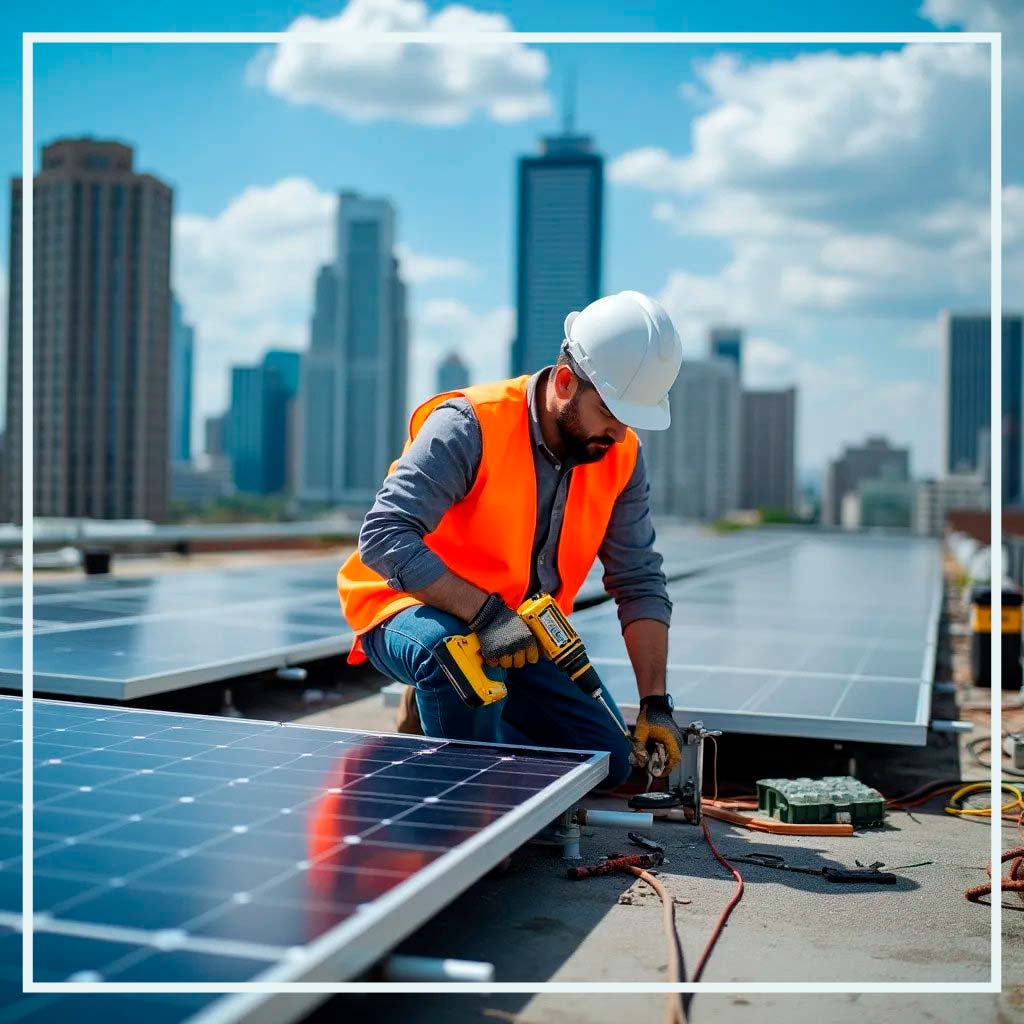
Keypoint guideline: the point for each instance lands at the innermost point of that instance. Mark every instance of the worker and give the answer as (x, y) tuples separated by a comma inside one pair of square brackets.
[(511, 488)]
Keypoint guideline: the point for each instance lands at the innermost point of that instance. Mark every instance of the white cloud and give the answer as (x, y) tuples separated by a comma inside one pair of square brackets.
[(924, 335), (437, 83), (841, 401), (245, 277), (767, 364), (1005, 16), (848, 141), (481, 339), (843, 184), (1013, 216), (418, 267)]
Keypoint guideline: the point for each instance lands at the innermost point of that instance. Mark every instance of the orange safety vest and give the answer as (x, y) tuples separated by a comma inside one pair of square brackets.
[(487, 537)]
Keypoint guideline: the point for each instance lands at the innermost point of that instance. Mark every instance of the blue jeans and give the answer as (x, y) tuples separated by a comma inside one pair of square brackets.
[(543, 707)]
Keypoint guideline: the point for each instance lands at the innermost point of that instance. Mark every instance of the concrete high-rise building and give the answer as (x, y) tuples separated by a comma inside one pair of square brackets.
[(693, 466), (202, 481), (876, 460), (879, 503), (323, 329), (213, 440), (182, 368), (558, 243), (768, 449), (101, 336), (353, 378), (452, 373), (726, 343), (966, 367), (318, 452), (936, 498)]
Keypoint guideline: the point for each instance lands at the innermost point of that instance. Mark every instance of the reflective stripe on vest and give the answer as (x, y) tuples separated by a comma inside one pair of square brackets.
[(487, 538)]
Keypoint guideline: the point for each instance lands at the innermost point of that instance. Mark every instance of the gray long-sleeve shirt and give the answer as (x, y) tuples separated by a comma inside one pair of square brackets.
[(438, 470)]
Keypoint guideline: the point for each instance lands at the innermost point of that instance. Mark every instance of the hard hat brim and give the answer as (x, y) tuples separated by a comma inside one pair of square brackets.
[(640, 417)]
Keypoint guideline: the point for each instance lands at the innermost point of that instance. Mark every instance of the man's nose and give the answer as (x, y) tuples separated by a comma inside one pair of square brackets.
[(618, 432)]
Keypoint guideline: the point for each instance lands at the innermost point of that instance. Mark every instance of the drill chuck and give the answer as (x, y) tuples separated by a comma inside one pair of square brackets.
[(576, 665)]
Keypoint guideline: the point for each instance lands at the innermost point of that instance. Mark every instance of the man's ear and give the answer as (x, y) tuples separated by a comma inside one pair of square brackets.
[(565, 382)]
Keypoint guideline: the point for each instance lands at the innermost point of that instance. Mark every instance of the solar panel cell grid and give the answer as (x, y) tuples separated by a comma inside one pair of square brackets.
[(178, 848), (827, 637)]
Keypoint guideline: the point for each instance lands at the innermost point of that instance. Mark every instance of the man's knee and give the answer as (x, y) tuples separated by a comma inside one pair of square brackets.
[(418, 631)]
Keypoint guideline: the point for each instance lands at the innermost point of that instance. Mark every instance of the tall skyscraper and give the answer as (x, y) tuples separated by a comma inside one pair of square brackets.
[(768, 449), (726, 343), (280, 385), (182, 364), (966, 366), (353, 377), (452, 373), (244, 426), (875, 460), (693, 466), (1012, 407), (256, 430), (101, 333), (558, 241), (319, 374)]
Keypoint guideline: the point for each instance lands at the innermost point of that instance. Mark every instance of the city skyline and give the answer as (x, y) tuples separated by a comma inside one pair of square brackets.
[(864, 356)]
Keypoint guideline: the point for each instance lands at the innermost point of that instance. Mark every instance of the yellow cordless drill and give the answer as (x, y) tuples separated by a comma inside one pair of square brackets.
[(463, 663)]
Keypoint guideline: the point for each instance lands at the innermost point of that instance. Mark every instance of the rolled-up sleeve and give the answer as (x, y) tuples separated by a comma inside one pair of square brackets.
[(437, 471), (632, 567)]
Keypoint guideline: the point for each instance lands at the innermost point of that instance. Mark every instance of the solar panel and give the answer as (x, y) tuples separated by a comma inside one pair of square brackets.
[(687, 549), (180, 848), (121, 638), (831, 637), (165, 1008)]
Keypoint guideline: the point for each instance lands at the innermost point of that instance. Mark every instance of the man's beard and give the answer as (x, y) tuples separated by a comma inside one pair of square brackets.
[(580, 446)]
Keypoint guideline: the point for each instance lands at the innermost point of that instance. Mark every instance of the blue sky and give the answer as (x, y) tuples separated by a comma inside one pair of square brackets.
[(830, 200)]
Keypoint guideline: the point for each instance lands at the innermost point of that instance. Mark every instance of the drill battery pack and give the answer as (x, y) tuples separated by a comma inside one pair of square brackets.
[(834, 799)]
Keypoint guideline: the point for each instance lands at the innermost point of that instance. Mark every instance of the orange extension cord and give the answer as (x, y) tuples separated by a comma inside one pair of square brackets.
[(1014, 882)]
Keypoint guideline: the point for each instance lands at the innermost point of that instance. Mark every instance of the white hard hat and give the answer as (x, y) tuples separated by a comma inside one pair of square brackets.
[(629, 348)]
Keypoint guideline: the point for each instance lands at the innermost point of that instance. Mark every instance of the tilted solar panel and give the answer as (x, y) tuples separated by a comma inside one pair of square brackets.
[(122, 638), (829, 638), (175, 848), (125, 638)]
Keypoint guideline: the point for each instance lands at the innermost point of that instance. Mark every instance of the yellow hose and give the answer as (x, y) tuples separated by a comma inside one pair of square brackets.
[(978, 787)]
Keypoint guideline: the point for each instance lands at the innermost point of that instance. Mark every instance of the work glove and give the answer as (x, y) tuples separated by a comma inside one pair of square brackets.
[(655, 725), (505, 639)]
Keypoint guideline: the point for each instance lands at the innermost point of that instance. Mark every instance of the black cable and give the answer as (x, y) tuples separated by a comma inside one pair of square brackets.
[(927, 787)]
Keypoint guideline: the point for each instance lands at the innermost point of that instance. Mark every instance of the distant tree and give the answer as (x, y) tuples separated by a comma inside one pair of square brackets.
[(778, 515), (727, 526), (238, 508)]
